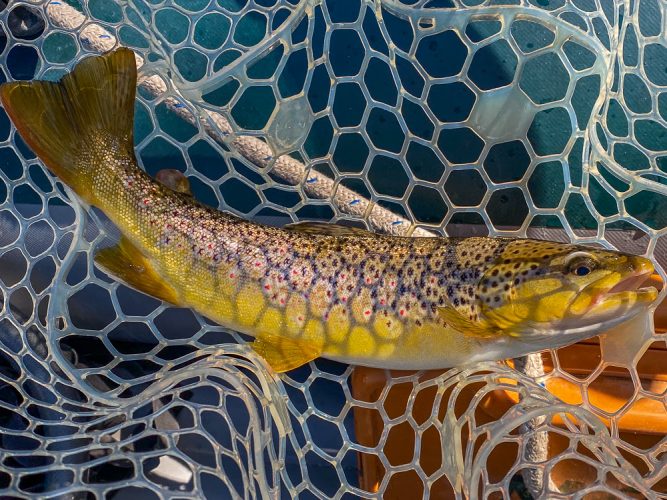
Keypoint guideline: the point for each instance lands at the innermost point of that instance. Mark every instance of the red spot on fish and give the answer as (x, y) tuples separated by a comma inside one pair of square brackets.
[(344, 299), (210, 246), (300, 318), (257, 264), (402, 312), (368, 281), (367, 312), (282, 301), (382, 302), (146, 201), (342, 276), (392, 283), (231, 275), (267, 287)]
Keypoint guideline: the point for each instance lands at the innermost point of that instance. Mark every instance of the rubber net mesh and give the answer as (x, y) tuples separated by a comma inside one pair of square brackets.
[(418, 117)]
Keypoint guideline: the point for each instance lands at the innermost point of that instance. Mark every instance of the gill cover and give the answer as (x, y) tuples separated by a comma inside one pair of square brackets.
[(540, 287)]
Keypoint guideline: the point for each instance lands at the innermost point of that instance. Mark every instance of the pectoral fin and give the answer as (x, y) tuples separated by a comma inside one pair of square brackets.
[(464, 324), (128, 264), (284, 354)]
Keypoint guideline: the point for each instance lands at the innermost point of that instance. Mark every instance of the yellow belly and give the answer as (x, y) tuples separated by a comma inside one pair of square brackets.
[(348, 332)]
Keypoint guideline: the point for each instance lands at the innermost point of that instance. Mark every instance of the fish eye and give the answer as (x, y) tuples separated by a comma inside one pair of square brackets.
[(581, 266)]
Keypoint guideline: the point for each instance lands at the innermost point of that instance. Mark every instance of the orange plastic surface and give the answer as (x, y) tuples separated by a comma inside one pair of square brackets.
[(642, 425)]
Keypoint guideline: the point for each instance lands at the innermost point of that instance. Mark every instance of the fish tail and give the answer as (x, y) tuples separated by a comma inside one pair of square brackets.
[(62, 121)]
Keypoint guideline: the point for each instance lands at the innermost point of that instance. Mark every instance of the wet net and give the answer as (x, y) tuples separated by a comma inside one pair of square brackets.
[(414, 117)]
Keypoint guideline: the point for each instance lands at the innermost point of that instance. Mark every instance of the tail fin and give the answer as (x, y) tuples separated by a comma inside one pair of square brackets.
[(61, 121)]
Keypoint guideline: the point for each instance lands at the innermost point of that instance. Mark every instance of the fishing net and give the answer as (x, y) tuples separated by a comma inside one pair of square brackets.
[(413, 117)]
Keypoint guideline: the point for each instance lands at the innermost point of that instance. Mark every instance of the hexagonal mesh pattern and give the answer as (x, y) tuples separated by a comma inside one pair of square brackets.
[(410, 117)]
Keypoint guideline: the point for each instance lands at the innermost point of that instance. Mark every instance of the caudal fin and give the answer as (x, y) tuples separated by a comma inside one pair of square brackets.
[(62, 122)]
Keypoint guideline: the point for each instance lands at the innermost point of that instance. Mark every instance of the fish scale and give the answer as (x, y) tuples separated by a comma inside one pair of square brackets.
[(241, 256), (314, 289)]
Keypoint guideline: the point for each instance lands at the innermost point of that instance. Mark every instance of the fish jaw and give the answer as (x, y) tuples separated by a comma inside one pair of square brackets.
[(598, 309), (555, 310), (619, 295)]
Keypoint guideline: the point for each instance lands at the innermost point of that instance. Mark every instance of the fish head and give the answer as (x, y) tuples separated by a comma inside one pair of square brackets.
[(556, 292)]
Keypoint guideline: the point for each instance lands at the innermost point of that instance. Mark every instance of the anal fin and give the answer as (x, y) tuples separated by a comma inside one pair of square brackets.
[(284, 354), (128, 264)]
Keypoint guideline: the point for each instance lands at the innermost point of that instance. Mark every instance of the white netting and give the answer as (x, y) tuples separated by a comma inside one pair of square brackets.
[(543, 117)]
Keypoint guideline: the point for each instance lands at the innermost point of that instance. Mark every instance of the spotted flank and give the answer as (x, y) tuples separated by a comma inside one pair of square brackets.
[(315, 289)]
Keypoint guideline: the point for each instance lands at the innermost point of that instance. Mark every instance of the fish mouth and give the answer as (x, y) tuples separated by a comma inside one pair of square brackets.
[(631, 283), (629, 289)]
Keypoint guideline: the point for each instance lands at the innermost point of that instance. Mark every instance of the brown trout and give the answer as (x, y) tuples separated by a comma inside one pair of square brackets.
[(315, 289)]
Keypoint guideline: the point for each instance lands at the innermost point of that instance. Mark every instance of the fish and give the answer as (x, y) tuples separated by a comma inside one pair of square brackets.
[(314, 289)]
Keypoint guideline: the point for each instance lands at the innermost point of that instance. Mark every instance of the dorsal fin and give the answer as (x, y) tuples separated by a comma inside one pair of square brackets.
[(325, 228)]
